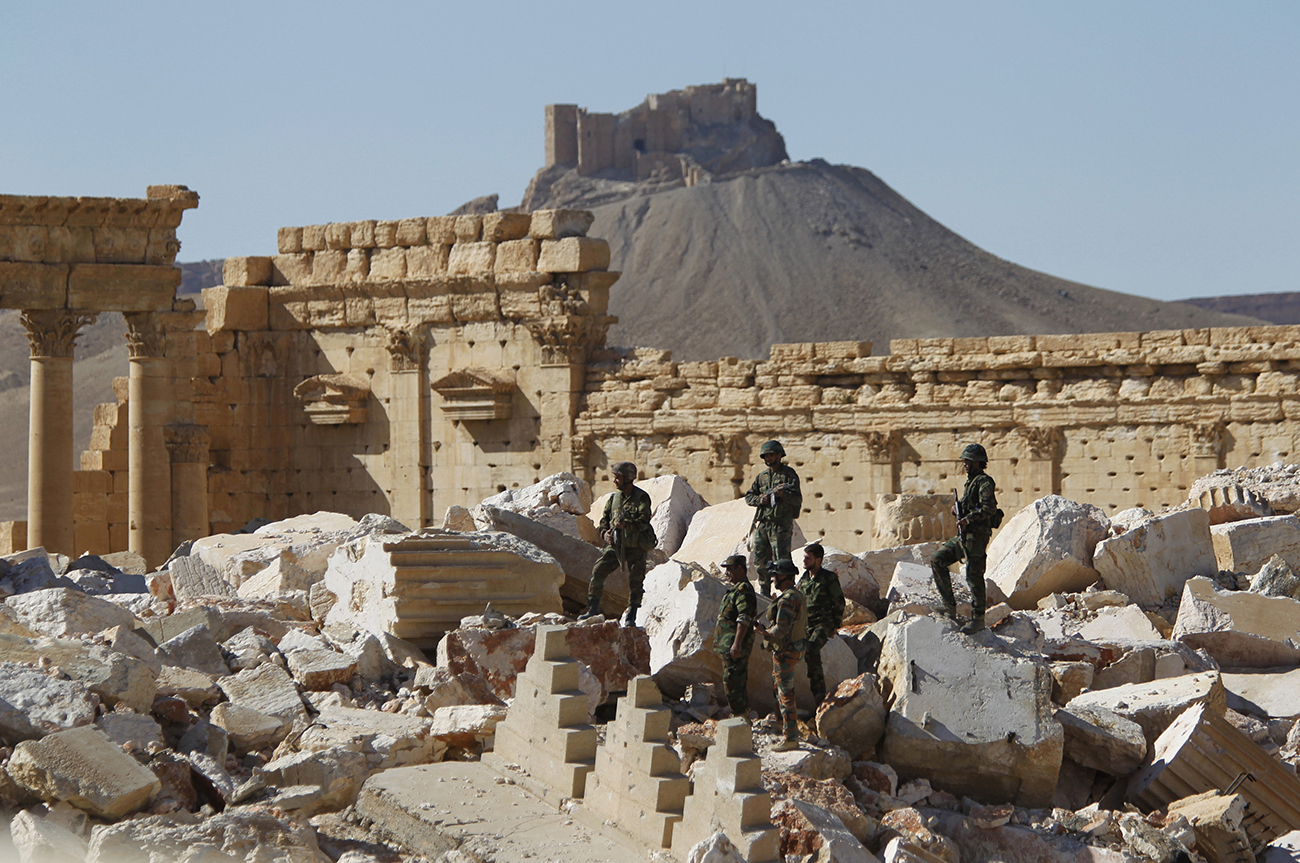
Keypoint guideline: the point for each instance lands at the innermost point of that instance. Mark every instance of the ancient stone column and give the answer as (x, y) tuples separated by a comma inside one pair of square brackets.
[(881, 466), (149, 485), (188, 445), (564, 339), (409, 503), (52, 334), (1042, 469), (1208, 440)]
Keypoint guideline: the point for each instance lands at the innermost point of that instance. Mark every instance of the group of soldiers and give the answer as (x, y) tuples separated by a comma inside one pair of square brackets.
[(807, 610)]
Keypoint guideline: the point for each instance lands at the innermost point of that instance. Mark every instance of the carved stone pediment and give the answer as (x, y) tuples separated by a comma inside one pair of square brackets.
[(334, 399), (476, 394)]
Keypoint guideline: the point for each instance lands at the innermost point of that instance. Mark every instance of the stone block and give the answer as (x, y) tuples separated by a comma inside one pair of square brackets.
[(853, 716), (386, 739), (1007, 751), (239, 833), (1101, 739), (363, 234), (83, 767), (471, 258), (267, 689), (1269, 693), (673, 505), (719, 531), (424, 262), (192, 577), (388, 264), (33, 704), (319, 670), (469, 228), (338, 235), (122, 287), (34, 286), (729, 798), (239, 272), (441, 230), (195, 648), (48, 834), (467, 726), (1246, 545), (411, 232), (573, 255), (559, 224), (1150, 562), (517, 256), (500, 227), (1155, 705), (61, 611), (313, 238), (236, 309), (289, 240), (249, 729), (133, 728), (1239, 629), (1046, 548)]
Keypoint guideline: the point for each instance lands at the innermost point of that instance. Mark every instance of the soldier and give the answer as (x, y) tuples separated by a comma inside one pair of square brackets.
[(785, 631), (821, 588), (626, 529), (775, 493), (733, 638), (977, 515)]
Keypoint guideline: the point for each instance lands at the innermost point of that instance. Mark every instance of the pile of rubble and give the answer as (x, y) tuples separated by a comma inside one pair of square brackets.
[(1133, 697)]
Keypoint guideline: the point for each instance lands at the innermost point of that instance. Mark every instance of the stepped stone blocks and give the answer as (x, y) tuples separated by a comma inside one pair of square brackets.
[(420, 585), (728, 797), (546, 731), (1201, 751), (638, 784)]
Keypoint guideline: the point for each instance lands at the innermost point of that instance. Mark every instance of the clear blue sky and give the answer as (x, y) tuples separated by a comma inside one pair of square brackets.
[(1147, 147)]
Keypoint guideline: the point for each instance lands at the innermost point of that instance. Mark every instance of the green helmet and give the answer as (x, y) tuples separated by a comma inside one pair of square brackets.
[(772, 446), (975, 452)]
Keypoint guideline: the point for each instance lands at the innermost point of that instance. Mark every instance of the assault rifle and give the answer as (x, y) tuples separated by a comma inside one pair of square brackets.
[(770, 496), (956, 510)]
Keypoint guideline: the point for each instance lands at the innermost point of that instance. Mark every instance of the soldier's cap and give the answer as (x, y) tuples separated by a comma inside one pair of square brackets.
[(784, 567), (735, 560), (815, 549), (624, 468), (771, 446), (975, 452)]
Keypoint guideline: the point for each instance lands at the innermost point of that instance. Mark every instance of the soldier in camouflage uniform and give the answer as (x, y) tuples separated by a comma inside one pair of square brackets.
[(625, 527), (979, 514), (825, 598), (733, 638), (775, 495), (785, 628)]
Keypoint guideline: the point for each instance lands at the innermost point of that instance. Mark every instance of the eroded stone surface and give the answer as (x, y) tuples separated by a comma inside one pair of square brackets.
[(1046, 548), (1150, 562), (83, 767), (1240, 629)]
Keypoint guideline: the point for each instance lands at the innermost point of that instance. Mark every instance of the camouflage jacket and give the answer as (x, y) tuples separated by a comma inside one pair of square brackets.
[(825, 603), (787, 622), (739, 606), (787, 507), (979, 503), (632, 508)]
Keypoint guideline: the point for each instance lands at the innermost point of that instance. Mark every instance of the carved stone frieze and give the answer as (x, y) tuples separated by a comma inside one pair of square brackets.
[(405, 346), (882, 446), (1043, 443), (565, 339), (53, 332), (146, 335), (1208, 439)]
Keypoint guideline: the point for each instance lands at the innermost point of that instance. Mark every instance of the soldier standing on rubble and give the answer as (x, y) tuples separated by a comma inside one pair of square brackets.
[(825, 598), (785, 631), (775, 493), (977, 516), (733, 638), (625, 527)]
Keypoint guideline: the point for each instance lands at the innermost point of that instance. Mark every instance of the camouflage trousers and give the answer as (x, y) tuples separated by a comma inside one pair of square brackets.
[(812, 660), (783, 665), (974, 551), (607, 563), (769, 542), (735, 680)]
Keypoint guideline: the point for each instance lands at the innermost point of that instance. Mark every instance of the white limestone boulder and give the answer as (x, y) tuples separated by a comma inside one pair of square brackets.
[(1245, 546), (673, 502), (853, 715), (195, 648), (33, 704), (560, 501), (83, 767), (1046, 548), (123, 728), (61, 611), (386, 739), (114, 677), (721, 530), (881, 562), (1227, 500), (44, 834), (467, 725), (810, 832), (336, 774), (279, 576), (972, 719), (1150, 562), (1101, 739), (239, 833), (1276, 578), (1238, 628), (248, 729), (912, 589), (815, 762), (306, 541), (267, 689), (1269, 693), (908, 519), (1155, 705)]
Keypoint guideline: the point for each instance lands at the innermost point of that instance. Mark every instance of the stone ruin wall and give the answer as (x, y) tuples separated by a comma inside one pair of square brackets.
[(406, 366)]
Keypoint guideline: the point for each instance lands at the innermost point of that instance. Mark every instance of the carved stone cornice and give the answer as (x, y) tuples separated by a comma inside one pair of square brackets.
[(53, 332), (405, 347), (187, 443), (565, 339), (1043, 443), (882, 446), (146, 335), (1208, 439)]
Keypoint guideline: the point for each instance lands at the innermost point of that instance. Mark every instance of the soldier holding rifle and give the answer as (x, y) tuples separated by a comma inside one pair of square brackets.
[(977, 515), (777, 500), (625, 527)]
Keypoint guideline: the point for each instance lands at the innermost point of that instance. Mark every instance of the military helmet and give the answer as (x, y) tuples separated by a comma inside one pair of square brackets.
[(772, 446), (735, 560), (975, 452), (784, 567), (624, 468)]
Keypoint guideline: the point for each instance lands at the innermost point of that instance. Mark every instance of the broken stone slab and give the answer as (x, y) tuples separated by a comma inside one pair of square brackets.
[(1269, 693), (1150, 562), (807, 829), (1101, 739), (129, 643), (1284, 849), (1239, 629), (575, 556), (1226, 500), (33, 704), (1217, 821), (319, 670), (26, 572), (715, 849), (195, 648), (39, 835), (1245, 546), (673, 504), (335, 774), (911, 589), (853, 716), (279, 576), (560, 501), (467, 725), (909, 519), (267, 689), (306, 541), (1276, 578), (386, 739), (114, 677), (133, 728), (83, 767), (193, 578), (243, 833), (443, 687), (419, 586), (881, 563), (1046, 548), (193, 687), (248, 729), (721, 530), (60, 611), (1155, 705), (247, 649), (1008, 750), (915, 829), (815, 762), (459, 518)]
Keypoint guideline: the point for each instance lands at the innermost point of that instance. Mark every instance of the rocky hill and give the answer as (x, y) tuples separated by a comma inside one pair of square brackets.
[(1279, 308)]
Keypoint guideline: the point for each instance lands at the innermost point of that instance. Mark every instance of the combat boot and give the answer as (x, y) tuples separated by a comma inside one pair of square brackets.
[(785, 745), (593, 610), (629, 617), (948, 610), (975, 625)]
